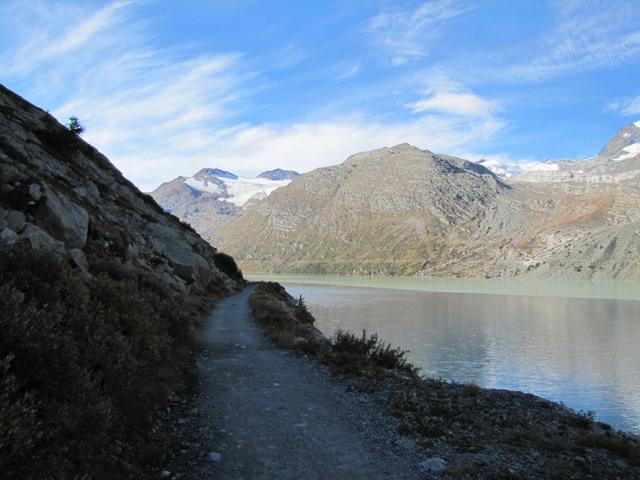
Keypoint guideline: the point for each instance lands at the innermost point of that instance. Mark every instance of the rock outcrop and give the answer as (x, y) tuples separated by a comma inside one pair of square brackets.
[(59, 193)]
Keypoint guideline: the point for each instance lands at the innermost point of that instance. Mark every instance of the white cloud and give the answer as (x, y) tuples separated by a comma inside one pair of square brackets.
[(456, 103), (626, 106), (587, 35), (407, 34), (249, 150)]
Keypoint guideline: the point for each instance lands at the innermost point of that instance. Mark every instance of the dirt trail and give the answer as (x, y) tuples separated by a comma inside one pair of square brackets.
[(273, 415)]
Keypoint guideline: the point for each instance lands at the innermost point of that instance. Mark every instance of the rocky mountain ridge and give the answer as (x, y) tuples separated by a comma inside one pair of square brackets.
[(406, 211)]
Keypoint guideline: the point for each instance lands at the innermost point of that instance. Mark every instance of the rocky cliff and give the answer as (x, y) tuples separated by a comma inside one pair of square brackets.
[(59, 193)]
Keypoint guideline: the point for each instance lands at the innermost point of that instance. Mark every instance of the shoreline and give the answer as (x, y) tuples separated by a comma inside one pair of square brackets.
[(478, 432), (602, 290)]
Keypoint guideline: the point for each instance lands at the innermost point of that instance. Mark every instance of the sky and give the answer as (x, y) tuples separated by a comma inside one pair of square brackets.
[(167, 87)]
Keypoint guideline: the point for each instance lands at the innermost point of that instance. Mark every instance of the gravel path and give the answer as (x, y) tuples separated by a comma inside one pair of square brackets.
[(270, 414)]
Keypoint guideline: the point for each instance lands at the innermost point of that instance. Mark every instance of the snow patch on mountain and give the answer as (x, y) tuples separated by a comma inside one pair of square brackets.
[(507, 169), (231, 187), (637, 124), (633, 148)]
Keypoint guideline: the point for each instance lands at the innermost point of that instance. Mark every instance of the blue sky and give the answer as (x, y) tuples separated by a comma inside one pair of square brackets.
[(168, 87)]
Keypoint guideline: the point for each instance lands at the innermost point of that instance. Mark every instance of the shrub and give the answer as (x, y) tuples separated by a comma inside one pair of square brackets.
[(83, 362), (226, 264), (353, 354)]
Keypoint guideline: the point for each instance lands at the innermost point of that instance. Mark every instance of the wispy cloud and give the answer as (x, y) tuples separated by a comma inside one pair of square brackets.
[(347, 70), (51, 31), (587, 35), (405, 34), (625, 106), (159, 113)]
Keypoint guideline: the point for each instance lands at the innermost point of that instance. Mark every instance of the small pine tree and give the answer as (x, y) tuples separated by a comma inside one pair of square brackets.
[(75, 126)]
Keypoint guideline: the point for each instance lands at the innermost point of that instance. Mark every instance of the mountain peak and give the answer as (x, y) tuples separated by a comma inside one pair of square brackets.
[(217, 172), (279, 174), (624, 138)]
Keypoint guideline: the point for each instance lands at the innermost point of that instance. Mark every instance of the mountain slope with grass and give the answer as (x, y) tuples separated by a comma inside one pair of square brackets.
[(101, 292), (406, 211)]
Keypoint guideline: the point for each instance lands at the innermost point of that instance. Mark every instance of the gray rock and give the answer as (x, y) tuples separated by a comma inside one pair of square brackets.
[(38, 239), (35, 191), (16, 220), (165, 474), (64, 220), (433, 464), (89, 191), (79, 259), (215, 457), (8, 236)]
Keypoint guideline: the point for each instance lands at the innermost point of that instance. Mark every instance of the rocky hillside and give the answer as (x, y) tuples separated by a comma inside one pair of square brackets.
[(213, 197), (405, 211), (101, 290)]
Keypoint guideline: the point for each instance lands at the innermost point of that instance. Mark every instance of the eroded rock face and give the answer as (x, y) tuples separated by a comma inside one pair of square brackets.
[(58, 193)]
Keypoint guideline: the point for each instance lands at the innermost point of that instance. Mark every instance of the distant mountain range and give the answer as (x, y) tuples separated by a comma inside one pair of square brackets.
[(213, 197), (402, 210)]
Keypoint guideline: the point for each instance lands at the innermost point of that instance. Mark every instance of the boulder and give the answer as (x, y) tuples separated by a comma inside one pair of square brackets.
[(8, 236), (38, 239), (64, 220), (79, 259), (15, 220)]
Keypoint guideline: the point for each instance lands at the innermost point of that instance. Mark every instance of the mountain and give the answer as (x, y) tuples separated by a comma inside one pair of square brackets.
[(618, 160), (213, 197), (100, 292), (407, 211)]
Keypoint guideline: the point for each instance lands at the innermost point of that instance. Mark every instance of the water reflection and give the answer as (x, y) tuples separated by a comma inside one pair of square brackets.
[(581, 351)]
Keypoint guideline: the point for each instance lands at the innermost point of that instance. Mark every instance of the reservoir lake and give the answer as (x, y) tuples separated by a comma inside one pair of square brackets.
[(571, 342)]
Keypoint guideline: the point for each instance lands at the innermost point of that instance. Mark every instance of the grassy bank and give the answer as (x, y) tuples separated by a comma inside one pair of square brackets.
[(479, 433), (85, 363)]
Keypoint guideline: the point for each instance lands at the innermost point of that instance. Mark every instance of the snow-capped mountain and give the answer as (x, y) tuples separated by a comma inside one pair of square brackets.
[(238, 190), (212, 196), (618, 160)]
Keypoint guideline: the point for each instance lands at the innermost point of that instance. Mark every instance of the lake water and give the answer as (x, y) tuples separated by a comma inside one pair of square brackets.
[(577, 343)]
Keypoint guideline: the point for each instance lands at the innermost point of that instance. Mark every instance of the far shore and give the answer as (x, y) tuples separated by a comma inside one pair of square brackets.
[(614, 290)]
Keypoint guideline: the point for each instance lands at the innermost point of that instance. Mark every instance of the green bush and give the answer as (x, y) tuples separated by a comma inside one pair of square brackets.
[(84, 361), (353, 354)]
